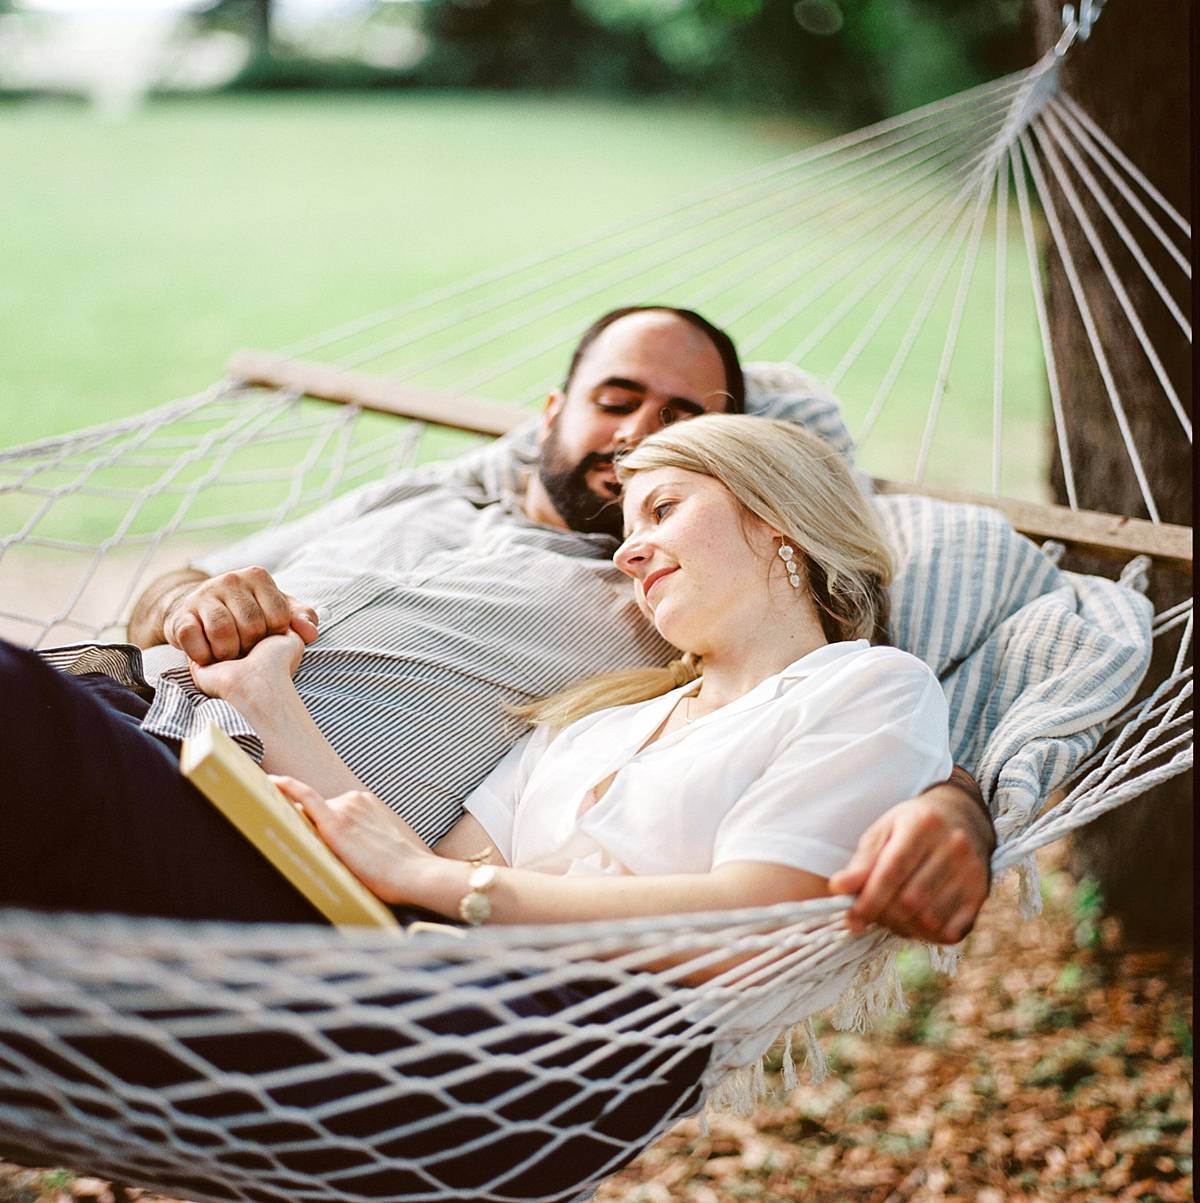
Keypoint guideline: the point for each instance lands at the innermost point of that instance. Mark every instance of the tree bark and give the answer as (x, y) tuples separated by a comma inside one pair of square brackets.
[(1132, 76), (262, 13)]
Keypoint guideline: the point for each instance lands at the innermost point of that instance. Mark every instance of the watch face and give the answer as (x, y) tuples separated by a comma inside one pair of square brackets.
[(475, 909)]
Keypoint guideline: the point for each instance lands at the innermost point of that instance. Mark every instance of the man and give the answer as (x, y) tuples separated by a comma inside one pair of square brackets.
[(428, 602)]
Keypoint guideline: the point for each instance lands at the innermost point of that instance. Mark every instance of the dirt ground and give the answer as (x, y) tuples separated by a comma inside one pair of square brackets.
[(1056, 1066)]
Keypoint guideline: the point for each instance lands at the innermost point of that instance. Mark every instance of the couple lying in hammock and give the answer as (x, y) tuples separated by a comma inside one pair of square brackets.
[(776, 749), (746, 545)]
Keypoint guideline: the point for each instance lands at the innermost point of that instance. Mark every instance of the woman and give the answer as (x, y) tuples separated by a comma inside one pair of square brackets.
[(751, 549), (651, 792)]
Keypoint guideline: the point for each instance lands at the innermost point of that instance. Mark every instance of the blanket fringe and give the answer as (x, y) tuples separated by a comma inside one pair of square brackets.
[(741, 1090), (735, 1093), (818, 1067), (874, 991), (789, 1066)]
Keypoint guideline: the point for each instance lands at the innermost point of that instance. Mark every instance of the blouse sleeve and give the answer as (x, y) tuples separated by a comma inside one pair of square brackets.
[(861, 745), (494, 801)]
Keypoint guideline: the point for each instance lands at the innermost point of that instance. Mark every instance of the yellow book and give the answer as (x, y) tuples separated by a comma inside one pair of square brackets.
[(244, 794)]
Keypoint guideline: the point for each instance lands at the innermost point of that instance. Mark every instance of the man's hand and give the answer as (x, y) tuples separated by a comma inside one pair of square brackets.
[(923, 868), (224, 616), (256, 677)]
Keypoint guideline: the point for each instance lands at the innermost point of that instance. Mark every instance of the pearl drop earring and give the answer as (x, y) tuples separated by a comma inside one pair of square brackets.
[(787, 554)]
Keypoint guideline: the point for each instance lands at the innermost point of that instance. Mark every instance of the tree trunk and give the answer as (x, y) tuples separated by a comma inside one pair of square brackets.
[(1133, 78), (262, 13)]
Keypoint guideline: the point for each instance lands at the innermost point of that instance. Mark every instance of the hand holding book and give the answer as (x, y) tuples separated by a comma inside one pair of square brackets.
[(247, 797), (379, 847)]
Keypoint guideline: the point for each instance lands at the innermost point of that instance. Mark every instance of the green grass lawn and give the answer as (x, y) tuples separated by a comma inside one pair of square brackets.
[(138, 254)]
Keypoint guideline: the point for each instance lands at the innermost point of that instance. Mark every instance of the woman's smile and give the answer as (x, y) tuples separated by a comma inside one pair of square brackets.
[(654, 578)]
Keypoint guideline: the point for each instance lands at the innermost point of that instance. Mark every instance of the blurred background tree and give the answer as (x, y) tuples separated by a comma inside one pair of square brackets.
[(848, 60), (841, 62), (1141, 853)]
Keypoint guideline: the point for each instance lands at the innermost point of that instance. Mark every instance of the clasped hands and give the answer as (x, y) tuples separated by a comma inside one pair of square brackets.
[(253, 681), (225, 616), (243, 636)]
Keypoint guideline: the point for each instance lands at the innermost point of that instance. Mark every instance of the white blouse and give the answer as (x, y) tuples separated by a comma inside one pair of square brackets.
[(791, 773)]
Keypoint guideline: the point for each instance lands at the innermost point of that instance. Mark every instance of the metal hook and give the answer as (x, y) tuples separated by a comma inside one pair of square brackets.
[(1077, 25)]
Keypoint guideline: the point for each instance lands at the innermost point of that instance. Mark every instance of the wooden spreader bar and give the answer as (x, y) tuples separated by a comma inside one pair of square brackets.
[(259, 369), (1105, 534), (1086, 530)]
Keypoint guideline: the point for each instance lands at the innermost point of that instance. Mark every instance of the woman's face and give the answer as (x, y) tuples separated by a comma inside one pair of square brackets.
[(699, 562)]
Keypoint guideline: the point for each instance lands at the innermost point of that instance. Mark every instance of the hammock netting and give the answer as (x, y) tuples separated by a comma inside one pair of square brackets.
[(859, 259)]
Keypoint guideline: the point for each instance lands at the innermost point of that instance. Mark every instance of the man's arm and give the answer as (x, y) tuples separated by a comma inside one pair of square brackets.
[(217, 618), (924, 869)]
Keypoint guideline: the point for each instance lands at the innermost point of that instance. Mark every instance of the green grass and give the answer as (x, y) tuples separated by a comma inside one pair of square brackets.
[(139, 254)]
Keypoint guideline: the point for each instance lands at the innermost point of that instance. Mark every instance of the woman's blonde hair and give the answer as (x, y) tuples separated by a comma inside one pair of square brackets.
[(796, 484)]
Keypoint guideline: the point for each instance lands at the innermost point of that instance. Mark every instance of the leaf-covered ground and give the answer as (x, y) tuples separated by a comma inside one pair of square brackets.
[(1056, 1066)]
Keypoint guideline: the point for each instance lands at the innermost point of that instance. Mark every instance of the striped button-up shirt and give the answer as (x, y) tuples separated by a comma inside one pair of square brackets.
[(439, 601)]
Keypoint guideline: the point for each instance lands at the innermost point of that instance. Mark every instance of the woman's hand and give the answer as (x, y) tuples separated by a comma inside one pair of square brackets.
[(375, 844), (258, 675)]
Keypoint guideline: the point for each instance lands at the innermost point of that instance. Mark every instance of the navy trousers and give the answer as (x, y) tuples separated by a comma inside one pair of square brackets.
[(96, 817)]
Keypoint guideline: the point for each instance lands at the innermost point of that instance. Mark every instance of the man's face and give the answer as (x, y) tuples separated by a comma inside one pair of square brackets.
[(641, 373)]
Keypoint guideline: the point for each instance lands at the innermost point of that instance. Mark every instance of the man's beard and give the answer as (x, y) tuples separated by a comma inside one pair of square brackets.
[(566, 485)]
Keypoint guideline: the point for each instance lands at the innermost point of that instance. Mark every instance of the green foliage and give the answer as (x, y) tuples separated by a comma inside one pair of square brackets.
[(503, 44), (916, 973), (856, 59), (850, 60), (1087, 909), (57, 1180), (1070, 978), (1180, 1031)]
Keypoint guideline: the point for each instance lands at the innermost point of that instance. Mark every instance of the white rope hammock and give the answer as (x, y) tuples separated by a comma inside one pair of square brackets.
[(859, 258)]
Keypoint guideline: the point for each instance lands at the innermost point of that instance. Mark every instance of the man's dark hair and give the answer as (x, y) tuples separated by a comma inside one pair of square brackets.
[(735, 385)]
